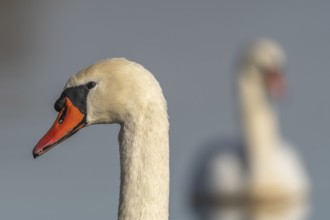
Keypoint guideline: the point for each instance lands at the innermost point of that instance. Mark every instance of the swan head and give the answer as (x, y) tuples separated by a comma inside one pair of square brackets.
[(109, 91), (265, 60)]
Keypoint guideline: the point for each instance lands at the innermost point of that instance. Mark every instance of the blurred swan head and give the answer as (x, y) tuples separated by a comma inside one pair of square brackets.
[(263, 63)]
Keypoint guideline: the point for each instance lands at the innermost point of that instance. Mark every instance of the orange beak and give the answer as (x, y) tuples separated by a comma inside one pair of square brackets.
[(69, 120), (276, 83)]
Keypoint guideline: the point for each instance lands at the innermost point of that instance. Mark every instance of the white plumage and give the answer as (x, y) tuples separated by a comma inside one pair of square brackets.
[(263, 168)]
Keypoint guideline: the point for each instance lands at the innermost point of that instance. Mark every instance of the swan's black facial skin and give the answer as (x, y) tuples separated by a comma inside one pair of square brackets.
[(72, 116), (77, 95)]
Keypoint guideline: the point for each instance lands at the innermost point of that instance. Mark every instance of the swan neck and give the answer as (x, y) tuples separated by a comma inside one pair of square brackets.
[(259, 118), (144, 157)]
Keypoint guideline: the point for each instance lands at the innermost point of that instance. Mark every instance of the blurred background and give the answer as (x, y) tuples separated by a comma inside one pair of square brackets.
[(190, 46)]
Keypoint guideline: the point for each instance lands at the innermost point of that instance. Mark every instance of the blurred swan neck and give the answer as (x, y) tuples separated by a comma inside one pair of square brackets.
[(144, 158), (259, 118)]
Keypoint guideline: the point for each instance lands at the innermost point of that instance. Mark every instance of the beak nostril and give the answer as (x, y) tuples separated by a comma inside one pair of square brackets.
[(61, 119)]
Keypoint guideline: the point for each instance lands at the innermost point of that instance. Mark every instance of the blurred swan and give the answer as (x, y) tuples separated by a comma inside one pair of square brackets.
[(275, 169), (263, 168)]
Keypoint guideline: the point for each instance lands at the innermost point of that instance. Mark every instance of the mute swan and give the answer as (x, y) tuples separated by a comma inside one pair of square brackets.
[(276, 171), (120, 91), (264, 168)]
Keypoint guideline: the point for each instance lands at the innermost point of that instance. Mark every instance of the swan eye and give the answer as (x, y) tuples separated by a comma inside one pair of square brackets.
[(91, 85)]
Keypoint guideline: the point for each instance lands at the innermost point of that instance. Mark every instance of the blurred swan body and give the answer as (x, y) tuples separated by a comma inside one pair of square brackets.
[(297, 211)]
